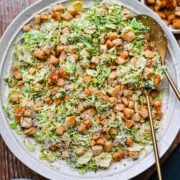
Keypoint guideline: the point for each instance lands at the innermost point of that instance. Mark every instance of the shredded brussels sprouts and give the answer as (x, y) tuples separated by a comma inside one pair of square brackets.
[(76, 85)]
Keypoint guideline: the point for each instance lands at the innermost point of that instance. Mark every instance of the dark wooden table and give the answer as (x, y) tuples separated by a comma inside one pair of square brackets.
[(10, 166)]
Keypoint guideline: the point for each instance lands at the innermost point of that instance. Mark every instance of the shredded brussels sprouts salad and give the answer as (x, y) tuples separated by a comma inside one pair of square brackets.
[(76, 85)]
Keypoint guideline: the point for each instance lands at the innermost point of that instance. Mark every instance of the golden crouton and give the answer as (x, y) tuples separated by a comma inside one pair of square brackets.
[(176, 23), (171, 4), (177, 13), (160, 4), (67, 16), (170, 18), (150, 1)]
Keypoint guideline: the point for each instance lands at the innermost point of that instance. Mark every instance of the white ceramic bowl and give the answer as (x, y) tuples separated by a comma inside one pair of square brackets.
[(116, 171)]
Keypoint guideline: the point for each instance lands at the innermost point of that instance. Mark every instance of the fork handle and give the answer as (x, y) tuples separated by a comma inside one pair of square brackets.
[(173, 84), (155, 147)]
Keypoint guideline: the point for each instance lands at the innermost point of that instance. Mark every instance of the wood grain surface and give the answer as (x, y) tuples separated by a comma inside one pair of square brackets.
[(10, 166)]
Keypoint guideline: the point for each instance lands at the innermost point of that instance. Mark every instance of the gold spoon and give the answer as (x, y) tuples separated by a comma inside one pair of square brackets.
[(158, 38)]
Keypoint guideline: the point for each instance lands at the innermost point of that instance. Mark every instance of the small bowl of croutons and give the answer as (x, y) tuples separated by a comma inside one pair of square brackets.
[(168, 10)]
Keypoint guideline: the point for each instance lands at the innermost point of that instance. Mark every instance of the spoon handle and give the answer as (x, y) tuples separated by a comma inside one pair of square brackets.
[(155, 148), (173, 85)]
